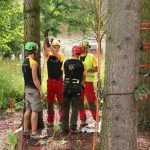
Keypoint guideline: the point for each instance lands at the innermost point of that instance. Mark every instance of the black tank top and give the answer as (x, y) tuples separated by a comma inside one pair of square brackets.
[(27, 73), (54, 67)]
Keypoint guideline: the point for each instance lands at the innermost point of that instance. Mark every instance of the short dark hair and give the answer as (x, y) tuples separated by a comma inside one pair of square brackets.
[(27, 53)]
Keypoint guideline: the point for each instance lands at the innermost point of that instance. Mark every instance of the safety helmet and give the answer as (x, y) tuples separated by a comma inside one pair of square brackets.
[(85, 43), (77, 50), (56, 43), (30, 46)]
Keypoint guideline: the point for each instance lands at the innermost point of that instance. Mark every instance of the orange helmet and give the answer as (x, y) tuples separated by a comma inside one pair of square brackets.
[(77, 50)]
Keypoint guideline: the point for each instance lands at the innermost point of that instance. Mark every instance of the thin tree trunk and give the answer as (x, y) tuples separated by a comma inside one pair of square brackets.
[(119, 121), (32, 33)]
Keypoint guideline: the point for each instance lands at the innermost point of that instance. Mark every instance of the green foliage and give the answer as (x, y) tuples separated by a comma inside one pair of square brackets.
[(141, 91), (11, 27), (12, 140), (143, 107), (72, 16), (58, 15), (11, 85)]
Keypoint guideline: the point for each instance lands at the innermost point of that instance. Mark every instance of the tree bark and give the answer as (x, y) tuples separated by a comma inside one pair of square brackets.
[(119, 121), (32, 33)]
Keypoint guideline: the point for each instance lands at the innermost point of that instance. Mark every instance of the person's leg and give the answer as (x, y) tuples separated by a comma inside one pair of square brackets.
[(36, 108), (75, 102), (34, 121), (92, 106), (59, 94), (27, 115), (65, 114), (82, 111), (50, 100), (26, 121), (91, 98)]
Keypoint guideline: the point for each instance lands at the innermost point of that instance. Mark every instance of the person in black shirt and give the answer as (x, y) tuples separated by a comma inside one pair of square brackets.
[(55, 81), (74, 71), (33, 91)]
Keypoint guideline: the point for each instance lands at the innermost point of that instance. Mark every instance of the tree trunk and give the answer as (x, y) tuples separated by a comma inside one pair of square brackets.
[(144, 105), (119, 125), (32, 33)]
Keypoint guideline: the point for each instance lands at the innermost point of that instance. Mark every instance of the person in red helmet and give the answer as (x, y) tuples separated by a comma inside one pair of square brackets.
[(74, 74), (55, 81)]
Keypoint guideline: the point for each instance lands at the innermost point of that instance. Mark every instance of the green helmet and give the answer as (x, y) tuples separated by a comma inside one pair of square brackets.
[(85, 44), (31, 46)]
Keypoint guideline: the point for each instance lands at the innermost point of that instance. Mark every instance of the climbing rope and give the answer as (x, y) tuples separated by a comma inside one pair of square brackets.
[(98, 78)]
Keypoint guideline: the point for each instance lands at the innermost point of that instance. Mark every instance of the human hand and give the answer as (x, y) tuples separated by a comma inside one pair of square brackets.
[(90, 70), (41, 94)]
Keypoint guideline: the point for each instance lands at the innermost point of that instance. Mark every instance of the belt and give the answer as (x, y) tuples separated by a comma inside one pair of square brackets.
[(72, 81)]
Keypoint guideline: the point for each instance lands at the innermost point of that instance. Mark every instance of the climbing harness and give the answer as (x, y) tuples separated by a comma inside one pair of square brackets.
[(72, 85)]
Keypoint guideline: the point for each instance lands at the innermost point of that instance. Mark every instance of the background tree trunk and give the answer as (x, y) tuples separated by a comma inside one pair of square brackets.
[(32, 33), (119, 125), (144, 105)]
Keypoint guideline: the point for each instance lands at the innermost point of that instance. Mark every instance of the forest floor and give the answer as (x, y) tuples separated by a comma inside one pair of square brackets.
[(55, 140)]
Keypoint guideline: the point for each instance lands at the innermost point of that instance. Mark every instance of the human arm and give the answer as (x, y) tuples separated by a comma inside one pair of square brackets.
[(46, 48), (54, 52), (94, 65), (94, 69), (52, 49), (36, 80)]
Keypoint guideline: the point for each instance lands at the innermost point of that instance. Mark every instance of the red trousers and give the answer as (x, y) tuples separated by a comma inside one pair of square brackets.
[(54, 90), (91, 98)]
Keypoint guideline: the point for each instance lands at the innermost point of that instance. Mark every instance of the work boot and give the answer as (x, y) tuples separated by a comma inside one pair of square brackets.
[(36, 136)]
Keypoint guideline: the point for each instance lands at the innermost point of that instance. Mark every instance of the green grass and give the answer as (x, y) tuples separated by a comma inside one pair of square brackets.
[(11, 83)]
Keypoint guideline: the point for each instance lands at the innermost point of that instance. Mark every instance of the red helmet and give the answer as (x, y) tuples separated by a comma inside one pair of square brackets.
[(77, 50)]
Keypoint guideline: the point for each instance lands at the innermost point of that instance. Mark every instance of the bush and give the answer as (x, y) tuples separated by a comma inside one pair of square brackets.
[(10, 88)]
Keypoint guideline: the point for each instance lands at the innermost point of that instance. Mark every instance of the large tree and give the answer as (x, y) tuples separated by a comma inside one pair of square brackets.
[(32, 31), (119, 126)]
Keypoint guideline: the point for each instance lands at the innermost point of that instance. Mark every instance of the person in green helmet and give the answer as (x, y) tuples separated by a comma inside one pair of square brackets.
[(33, 91), (91, 63)]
